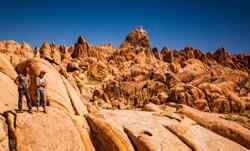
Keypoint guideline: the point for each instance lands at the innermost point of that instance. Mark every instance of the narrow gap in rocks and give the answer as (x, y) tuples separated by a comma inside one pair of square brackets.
[(130, 139), (208, 101), (189, 144), (11, 125), (147, 133), (96, 142), (71, 101)]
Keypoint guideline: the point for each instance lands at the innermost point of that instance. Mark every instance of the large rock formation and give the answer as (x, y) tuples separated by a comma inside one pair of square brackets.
[(8, 89), (4, 140), (146, 92), (8, 95), (59, 93), (225, 128), (54, 131), (82, 48), (117, 130), (15, 52), (137, 38)]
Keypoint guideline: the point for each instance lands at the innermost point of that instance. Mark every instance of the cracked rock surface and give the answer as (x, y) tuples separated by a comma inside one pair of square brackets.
[(131, 98)]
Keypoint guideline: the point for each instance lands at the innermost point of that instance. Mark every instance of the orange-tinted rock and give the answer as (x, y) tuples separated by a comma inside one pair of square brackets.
[(82, 48), (50, 52), (4, 140), (47, 132), (189, 95), (8, 95), (15, 52), (108, 137), (143, 129), (137, 38), (56, 90), (221, 98), (7, 68), (192, 68), (200, 139), (223, 127)]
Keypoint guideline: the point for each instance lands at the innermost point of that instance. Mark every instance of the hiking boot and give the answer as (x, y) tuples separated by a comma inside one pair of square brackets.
[(30, 111), (45, 111)]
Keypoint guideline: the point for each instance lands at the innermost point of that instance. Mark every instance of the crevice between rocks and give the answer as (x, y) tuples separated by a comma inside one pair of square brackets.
[(96, 142), (71, 101), (130, 138), (208, 100), (184, 140), (10, 118)]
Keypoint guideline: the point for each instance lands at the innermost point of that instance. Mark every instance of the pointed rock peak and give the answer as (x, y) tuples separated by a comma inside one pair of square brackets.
[(45, 45), (222, 55), (140, 29), (165, 49), (137, 38), (188, 48), (221, 50), (24, 45), (82, 40)]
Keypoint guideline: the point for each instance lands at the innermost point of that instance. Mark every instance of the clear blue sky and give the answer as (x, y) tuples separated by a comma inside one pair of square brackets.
[(172, 23)]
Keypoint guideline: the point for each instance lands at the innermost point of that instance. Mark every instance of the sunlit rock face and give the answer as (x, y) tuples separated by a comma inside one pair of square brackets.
[(82, 48), (137, 38), (15, 52), (131, 98)]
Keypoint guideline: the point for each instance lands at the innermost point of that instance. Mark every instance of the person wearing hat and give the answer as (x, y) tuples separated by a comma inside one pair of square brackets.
[(41, 83)]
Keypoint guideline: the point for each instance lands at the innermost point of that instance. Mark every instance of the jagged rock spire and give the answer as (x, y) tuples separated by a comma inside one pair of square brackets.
[(82, 40), (82, 48)]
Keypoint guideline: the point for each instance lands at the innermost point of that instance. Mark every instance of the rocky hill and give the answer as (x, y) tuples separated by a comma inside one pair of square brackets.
[(131, 98)]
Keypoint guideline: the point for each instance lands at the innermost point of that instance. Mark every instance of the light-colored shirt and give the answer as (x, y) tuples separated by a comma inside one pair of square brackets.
[(40, 81)]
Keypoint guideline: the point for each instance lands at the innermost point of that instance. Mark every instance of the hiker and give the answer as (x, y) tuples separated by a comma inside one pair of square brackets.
[(40, 91), (22, 82)]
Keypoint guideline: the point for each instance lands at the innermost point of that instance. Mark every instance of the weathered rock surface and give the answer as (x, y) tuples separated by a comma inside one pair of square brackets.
[(199, 138), (85, 79), (137, 38), (82, 48), (4, 140), (46, 132), (154, 131), (8, 89), (8, 94), (223, 127), (108, 137), (7, 68), (15, 52), (57, 92)]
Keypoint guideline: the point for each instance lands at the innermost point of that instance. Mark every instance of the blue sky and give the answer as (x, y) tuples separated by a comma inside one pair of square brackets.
[(172, 23)]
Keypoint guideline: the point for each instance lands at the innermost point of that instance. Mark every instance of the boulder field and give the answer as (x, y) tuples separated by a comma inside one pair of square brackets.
[(131, 98)]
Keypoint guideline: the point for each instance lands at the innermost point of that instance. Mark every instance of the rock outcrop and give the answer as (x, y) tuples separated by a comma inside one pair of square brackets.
[(8, 89), (59, 93), (225, 128), (131, 98), (154, 131), (82, 48), (45, 132), (8, 95), (4, 140), (137, 38), (15, 52)]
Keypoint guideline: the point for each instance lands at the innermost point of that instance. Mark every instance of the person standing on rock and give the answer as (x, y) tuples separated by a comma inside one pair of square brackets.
[(41, 83), (22, 82)]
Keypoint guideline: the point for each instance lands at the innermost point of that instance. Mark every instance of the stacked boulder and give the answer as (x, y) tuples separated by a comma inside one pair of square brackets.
[(126, 99)]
